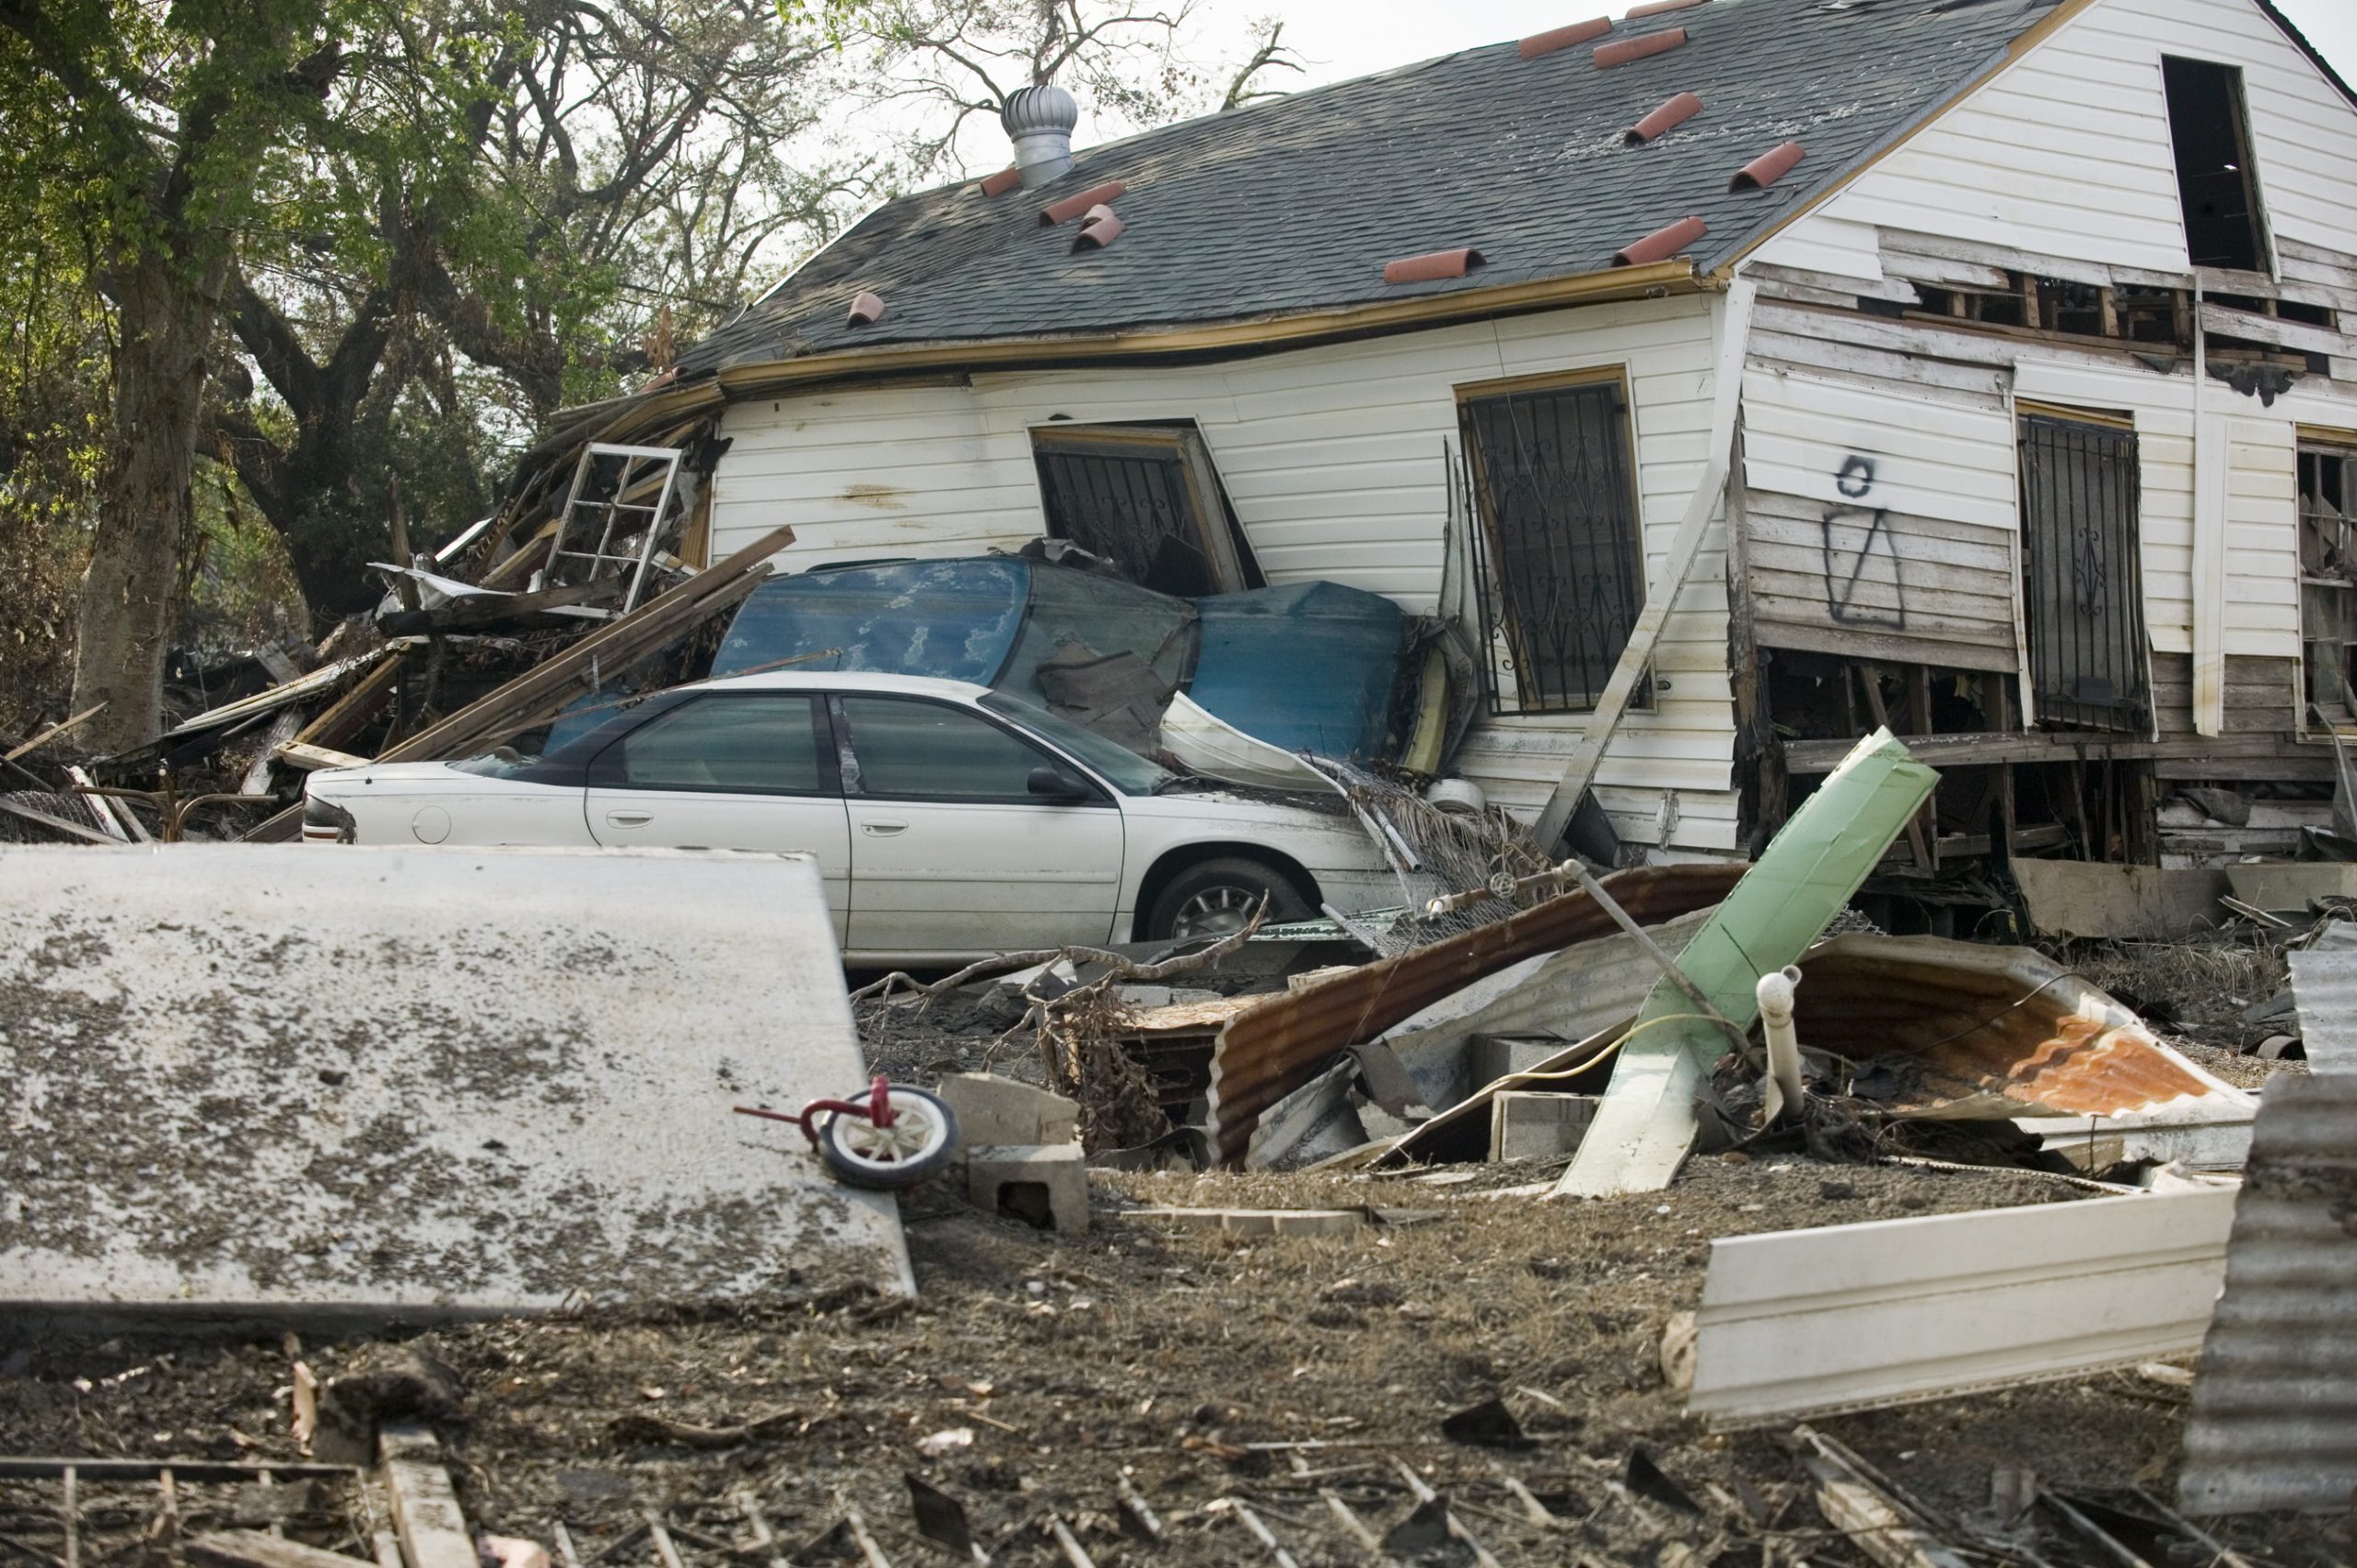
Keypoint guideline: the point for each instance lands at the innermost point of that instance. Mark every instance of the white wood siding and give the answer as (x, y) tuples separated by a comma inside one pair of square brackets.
[(2063, 165), (2067, 154), (1333, 459)]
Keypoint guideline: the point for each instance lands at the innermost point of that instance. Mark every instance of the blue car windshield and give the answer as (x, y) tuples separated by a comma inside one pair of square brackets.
[(1128, 771)]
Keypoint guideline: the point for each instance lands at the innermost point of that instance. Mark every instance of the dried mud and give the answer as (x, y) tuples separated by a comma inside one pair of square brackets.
[(1166, 1355)]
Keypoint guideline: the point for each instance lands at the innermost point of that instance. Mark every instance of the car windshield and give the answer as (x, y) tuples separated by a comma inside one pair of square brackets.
[(1128, 772)]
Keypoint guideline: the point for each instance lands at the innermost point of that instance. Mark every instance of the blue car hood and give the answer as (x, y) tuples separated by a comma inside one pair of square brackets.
[(950, 619)]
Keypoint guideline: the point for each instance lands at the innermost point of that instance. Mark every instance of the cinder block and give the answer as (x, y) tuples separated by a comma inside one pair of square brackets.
[(1529, 1125), (1046, 1185), (1008, 1112), (1260, 1222), (1488, 1058)]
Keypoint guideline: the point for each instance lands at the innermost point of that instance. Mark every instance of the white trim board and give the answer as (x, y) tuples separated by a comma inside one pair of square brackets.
[(1809, 1323)]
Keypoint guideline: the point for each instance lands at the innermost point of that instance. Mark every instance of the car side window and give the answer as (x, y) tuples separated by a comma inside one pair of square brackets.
[(747, 745), (917, 750)]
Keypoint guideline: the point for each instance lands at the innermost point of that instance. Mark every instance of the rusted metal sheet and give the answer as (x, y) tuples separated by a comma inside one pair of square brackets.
[(1975, 1032), (2274, 1419), (1266, 1054)]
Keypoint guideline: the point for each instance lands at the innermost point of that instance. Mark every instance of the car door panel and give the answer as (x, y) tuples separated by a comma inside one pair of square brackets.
[(751, 771), (950, 851)]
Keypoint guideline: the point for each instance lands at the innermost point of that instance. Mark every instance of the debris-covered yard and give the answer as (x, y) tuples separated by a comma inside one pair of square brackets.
[(1033, 1376)]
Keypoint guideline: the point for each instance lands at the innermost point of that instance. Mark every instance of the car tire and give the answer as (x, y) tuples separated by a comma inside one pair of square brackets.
[(1213, 898), (920, 1143)]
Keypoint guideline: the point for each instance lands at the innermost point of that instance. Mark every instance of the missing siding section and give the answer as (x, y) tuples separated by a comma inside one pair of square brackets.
[(2328, 578), (1558, 557), (1147, 498), (2217, 183)]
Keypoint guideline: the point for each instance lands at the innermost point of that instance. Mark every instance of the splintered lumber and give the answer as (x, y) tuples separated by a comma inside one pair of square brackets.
[(296, 754), (1646, 1123), (252, 1549), (1888, 1528), (539, 693), (433, 1530), (53, 731), (341, 717)]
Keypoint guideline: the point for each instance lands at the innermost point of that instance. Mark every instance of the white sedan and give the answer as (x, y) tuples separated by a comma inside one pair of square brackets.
[(947, 819)]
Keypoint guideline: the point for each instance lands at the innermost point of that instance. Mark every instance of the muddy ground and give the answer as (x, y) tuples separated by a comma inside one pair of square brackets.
[(1201, 1367)]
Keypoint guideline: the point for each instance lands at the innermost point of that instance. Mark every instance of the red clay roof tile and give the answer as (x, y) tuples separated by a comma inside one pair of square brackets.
[(1005, 180), (1432, 265), (1662, 243), (1657, 7), (1098, 232), (1673, 112), (1768, 168), (1607, 55), (867, 309), (1072, 206), (1540, 43)]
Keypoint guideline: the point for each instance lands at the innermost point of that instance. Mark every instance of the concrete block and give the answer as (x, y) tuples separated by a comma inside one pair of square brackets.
[(1258, 1221), (1529, 1125), (334, 1085), (1047, 1185), (1491, 1057), (993, 1111)]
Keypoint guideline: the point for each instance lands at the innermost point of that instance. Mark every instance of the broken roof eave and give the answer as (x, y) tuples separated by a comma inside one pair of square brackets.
[(1677, 275)]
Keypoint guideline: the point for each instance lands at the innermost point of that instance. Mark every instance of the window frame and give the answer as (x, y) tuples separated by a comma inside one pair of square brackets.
[(2254, 192), (2332, 445), (852, 778), (606, 770), (2141, 716), (1218, 536), (1500, 619)]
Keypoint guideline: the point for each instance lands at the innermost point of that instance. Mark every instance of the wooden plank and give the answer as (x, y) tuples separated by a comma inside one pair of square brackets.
[(1808, 632), (489, 609), (296, 754), (1860, 1315), (1898, 245), (426, 1516), (108, 809), (252, 1549), (2275, 331), (1894, 291), (357, 706), (2040, 746), (52, 732), (282, 729)]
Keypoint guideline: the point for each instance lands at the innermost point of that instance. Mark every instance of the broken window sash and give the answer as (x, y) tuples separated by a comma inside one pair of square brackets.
[(1558, 558), (1147, 498), (2328, 579), (625, 505), (2083, 591)]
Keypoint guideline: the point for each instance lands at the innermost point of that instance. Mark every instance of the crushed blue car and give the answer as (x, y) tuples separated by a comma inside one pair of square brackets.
[(1304, 666)]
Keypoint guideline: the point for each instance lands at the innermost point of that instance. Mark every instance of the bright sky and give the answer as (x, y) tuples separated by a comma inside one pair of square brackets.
[(1351, 38)]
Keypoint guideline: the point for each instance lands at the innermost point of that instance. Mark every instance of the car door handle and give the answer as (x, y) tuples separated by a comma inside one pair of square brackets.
[(629, 818), (883, 830)]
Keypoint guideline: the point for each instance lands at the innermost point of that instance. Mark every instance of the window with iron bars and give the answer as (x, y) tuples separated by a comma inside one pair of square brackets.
[(2328, 577), (1557, 552)]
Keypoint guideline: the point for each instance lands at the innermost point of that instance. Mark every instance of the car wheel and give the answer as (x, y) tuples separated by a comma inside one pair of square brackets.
[(1216, 898), (918, 1144)]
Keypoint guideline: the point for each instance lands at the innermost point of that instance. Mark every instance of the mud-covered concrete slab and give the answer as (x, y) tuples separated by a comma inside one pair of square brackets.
[(357, 1083)]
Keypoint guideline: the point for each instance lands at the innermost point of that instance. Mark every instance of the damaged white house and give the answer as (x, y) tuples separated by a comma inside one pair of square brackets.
[(1970, 365)]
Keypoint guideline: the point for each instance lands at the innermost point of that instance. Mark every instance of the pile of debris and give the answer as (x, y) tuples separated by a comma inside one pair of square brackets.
[(572, 597)]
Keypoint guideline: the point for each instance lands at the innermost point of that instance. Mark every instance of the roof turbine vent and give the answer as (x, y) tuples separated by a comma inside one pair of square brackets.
[(1040, 120)]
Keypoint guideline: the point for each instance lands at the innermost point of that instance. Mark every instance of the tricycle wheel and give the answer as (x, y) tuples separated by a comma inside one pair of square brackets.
[(921, 1140)]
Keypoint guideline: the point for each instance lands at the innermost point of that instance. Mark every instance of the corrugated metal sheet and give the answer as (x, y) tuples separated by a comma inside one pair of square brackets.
[(1978, 1032), (2274, 1420), (2324, 985), (1269, 1051), (1856, 1315)]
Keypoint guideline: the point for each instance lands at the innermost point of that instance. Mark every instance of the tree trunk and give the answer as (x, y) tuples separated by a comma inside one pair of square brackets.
[(128, 596)]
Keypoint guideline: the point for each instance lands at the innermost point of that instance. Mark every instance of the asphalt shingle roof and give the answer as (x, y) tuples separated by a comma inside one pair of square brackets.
[(1295, 203)]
